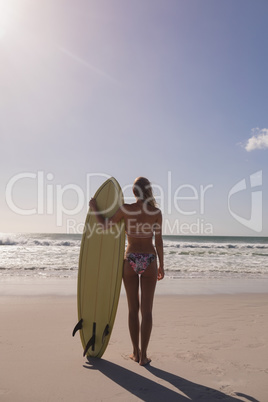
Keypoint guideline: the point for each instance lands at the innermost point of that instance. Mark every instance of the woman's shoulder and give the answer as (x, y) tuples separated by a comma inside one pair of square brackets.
[(159, 216), (154, 210)]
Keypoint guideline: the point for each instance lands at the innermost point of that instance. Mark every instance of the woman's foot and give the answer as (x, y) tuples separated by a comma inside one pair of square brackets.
[(145, 361), (135, 356)]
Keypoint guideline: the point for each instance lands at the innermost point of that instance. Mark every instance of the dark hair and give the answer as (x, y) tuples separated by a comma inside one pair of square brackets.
[(142, 189)]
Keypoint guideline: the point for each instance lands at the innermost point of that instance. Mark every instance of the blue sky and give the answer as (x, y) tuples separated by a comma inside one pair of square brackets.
[(174, 90)]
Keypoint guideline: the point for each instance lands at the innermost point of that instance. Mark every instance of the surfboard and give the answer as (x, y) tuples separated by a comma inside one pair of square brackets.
[(100, 272)]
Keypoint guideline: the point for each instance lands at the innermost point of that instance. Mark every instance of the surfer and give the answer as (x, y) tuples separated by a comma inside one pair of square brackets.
[(143, 221)]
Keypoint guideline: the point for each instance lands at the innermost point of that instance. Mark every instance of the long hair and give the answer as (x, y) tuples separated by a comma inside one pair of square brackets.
[(142, 189)]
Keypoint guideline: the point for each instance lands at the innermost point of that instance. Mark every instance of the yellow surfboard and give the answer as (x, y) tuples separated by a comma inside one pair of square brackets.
[(100, 272)]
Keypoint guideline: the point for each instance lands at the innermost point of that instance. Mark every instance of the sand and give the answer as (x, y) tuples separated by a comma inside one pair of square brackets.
[(203, 347)]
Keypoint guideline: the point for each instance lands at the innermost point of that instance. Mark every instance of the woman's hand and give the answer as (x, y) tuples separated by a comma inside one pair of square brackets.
[(93, 204), (160, 274)]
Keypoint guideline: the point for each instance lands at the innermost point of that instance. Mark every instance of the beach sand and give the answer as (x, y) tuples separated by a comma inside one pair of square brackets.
[(203, 347)]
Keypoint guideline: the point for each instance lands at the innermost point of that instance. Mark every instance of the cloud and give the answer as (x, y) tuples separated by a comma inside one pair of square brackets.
[(259, 139)]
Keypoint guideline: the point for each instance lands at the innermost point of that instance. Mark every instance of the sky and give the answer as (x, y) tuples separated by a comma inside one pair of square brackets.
[(173, 90)]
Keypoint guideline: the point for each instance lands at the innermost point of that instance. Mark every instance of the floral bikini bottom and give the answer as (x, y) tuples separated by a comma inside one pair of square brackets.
[(140, 261)]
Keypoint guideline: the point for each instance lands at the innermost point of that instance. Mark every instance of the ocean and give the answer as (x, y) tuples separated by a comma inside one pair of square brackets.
[(56, 256)]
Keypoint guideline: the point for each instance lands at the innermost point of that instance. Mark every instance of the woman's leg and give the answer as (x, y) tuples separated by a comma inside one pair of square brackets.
[(131, 282), (148, 282)]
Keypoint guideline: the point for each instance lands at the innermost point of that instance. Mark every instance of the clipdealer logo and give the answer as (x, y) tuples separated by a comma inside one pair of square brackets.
[(255, 220), (185, 200), (177, 202)]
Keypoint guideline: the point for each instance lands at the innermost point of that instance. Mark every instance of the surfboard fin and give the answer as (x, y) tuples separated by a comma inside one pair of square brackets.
[(105, 332), (78, 326), (91, 342)]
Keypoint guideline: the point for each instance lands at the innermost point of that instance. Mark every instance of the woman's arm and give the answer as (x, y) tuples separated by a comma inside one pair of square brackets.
[(106, 222), (159, 246)]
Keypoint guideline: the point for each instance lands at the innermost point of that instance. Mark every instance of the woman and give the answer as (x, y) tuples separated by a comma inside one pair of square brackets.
[(143, 220)]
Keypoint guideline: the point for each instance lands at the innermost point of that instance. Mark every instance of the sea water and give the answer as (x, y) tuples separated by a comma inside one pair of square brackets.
[(186, 257)]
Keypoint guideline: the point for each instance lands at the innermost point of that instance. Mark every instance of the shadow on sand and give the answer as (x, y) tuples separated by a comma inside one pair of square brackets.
[(149, 390)]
